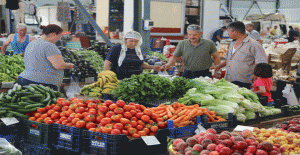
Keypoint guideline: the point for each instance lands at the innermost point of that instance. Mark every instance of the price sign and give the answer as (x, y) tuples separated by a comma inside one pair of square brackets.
[(150, 140), (200, 129), (7, 85), (9, 121), (240, 128)]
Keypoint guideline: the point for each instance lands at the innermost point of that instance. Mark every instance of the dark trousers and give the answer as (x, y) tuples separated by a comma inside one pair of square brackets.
[(242, 84), (195, 74), (23, 82)]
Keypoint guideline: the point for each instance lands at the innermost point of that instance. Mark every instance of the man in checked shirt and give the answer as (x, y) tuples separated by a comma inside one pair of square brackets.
[(243, 55)]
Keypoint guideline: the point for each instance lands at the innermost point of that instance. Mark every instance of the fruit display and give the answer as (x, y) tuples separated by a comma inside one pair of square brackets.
[(184, 115), (290, 126), (11, 67), (224, 97), (24, 99), (133, 120), (107, 81), (225, 143), (287, 141)]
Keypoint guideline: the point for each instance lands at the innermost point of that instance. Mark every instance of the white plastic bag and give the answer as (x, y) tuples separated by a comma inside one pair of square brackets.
[(289, 93), (73, 89), (166, 48), (8, 148)]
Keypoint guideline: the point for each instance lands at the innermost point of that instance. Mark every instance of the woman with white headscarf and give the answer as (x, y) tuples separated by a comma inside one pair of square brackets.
[(126, 59)]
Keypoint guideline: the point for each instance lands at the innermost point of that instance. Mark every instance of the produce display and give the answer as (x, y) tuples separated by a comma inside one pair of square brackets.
[(225, 143), (93, 58), (23, 99), (11, 67), (107, 81), (134, 120), (99, 47), (290, 126), (287, 141), (157, 56), (184, 115), (224, 97)]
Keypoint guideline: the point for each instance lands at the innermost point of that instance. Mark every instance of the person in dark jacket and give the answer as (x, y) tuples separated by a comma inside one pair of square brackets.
[(218, 35)]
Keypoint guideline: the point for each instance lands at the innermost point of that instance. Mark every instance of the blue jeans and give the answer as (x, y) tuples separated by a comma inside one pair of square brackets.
[(270, 104), (23, 82), (195, 74)]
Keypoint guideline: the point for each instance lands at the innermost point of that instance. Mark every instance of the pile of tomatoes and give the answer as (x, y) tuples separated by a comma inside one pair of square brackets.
[(134, 120)]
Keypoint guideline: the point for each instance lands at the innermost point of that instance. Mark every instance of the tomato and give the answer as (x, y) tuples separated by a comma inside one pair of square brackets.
[(47, 107), (148, 126), (80, 124), (79, 115), (88, 101), (138, 110), (120, 103), (73, 98), (147, 130), (125, 132), (161, 124), (154, 129), (154, 116), (131, 130), (66, 103), (73, 106), (118, 110), (118, 126), (142, 133), (81, 105), (105, 121), (50, 112), (57, 108), (92, 129), (133, 123), (152, 134), (97, 101), (107, 129), (44, 116), (109, 114), (63, 118), (90, 118), (28, 114), (112, 107), (47, 118), (145, 118), (99, 129), (52, 106), (99, 118), (135, 135), (32, 118), (127, 108), (64, 122), (90, 125), (124, 121), (39, 120), (65, 108), (81, 110), (139, 115), (137, 106), (115, 118), (140, 122), (72, 115), (75, 120), (41, 110), (127, 126), (58, 122), (108, 102), (103, 109), (70, 124), (115, 132), (159, 120), (55, 115), (49, 121), (37, 115), (139, 127), (147, 112), (85, 114), (80, 101), (93, 112), (142, 107), (60, 101), (91, 105), (134, 119), (131, 103), (133, 112)]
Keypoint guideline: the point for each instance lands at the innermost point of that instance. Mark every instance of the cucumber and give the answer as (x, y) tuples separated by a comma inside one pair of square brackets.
[(37, 89), (14, 98), (31, 89), (19, 87), (35, 96), (42, 87), (27, 110), (23, 93), (1, 95), (57, 94), (49, 102), (48, 96), (52, 94), (5, 108), (2, 112), (19, 114), (33, 105), (9, 114)]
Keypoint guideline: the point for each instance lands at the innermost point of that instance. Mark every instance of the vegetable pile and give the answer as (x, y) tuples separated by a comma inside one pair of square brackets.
[(23, 99), (11, 67), (107, 81), (158, 55), (184, 115), (224, 97), (95, 59), (101, 48)]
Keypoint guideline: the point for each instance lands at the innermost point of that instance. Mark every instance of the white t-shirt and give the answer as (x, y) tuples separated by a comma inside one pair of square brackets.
[(233, 50)]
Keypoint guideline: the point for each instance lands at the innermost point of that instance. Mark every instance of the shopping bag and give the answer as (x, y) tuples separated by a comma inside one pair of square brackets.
[(73, 88), (289, 93)]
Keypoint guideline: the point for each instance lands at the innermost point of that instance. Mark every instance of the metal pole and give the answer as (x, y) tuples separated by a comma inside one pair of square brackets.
[(92, 21), (277, 5), (10, 22)]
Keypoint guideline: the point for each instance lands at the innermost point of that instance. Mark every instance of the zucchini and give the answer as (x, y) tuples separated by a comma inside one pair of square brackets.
[(5, 108), (19, 114), (42, 87), (33, 105), (14, 98), (31, 89), (9, 114), (2, 112), (27, 110), (35, 96), (23, 93), (30, 101), (57, 94), (1, 95), (47, 98), (52, 93)]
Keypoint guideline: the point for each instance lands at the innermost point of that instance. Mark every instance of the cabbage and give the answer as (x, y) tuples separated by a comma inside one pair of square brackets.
[(193, 97), (273, 110), (247, 105), (250, 115), (202, 82), (216, 102), (191, 91), (250, 95), (241, 117), (222, 110), (230, 96), (240, 110), (261, 108), (223, 82), (212, 90)]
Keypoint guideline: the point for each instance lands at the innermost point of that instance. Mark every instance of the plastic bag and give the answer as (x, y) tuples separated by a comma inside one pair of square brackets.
[(73, 88), (289, 93), (8, 148)]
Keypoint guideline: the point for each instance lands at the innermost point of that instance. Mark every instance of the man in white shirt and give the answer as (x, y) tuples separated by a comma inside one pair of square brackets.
[(253, 33)]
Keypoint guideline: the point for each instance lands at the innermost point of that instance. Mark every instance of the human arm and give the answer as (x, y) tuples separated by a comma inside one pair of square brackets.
[(7, 42), (262, 90), (31, 38), (219, 38), (107, 65), (154, 67), (58, 62), (177, 54), (219, 66)]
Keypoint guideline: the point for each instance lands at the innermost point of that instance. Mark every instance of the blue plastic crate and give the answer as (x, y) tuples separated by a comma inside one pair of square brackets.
[(182, 131), (219, 126), (33, 149), (68, 138), (100, 143), (38, 133)]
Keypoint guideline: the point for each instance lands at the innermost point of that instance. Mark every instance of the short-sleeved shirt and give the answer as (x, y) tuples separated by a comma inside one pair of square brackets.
[(267, 83), (196, 58), (292, 35), (255, 35), (217, 33), (240, 65), (131, 64), (37, 67)]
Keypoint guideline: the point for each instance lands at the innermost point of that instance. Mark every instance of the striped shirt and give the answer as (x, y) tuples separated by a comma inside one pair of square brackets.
[(240, 64)]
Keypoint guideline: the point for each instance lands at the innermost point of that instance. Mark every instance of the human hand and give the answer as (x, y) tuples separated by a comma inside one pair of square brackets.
[(217, 75), (156, 68), (253, 78), (165, 67), (216, 68), (70, 66)]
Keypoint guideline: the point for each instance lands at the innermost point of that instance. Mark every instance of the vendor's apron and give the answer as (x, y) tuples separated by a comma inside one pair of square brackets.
[(126, 69)]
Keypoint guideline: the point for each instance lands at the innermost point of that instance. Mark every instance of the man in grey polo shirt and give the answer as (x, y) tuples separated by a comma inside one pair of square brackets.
[(253, 33), (196, 53)]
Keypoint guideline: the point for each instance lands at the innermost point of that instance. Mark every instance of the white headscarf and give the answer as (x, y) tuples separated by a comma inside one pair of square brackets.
[(133, 35)]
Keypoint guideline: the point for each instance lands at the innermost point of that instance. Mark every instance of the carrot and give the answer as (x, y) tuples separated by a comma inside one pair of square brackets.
[(162, 114), (186, 118), (182, 112), (172, 109), (212, 112), (192, 112), (177, 111), (178, 119), (158, 108), (173, 117), (160, 111), (209, 116), (162, 105), (169, 113), (183, 123)]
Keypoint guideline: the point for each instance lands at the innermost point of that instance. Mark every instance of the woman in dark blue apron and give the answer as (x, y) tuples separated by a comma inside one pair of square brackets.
[(126, 59)]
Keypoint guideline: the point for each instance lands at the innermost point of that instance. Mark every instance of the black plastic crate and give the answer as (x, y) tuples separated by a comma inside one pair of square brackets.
[(109, 97), (33, 149), (157, 103), (68, 138), (182, 131), (38, 133), (219, 126), (256, 120), (12, 129)]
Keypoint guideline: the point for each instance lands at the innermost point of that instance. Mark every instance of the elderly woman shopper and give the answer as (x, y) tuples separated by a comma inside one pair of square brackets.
[(126, 59), (44, 63)]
